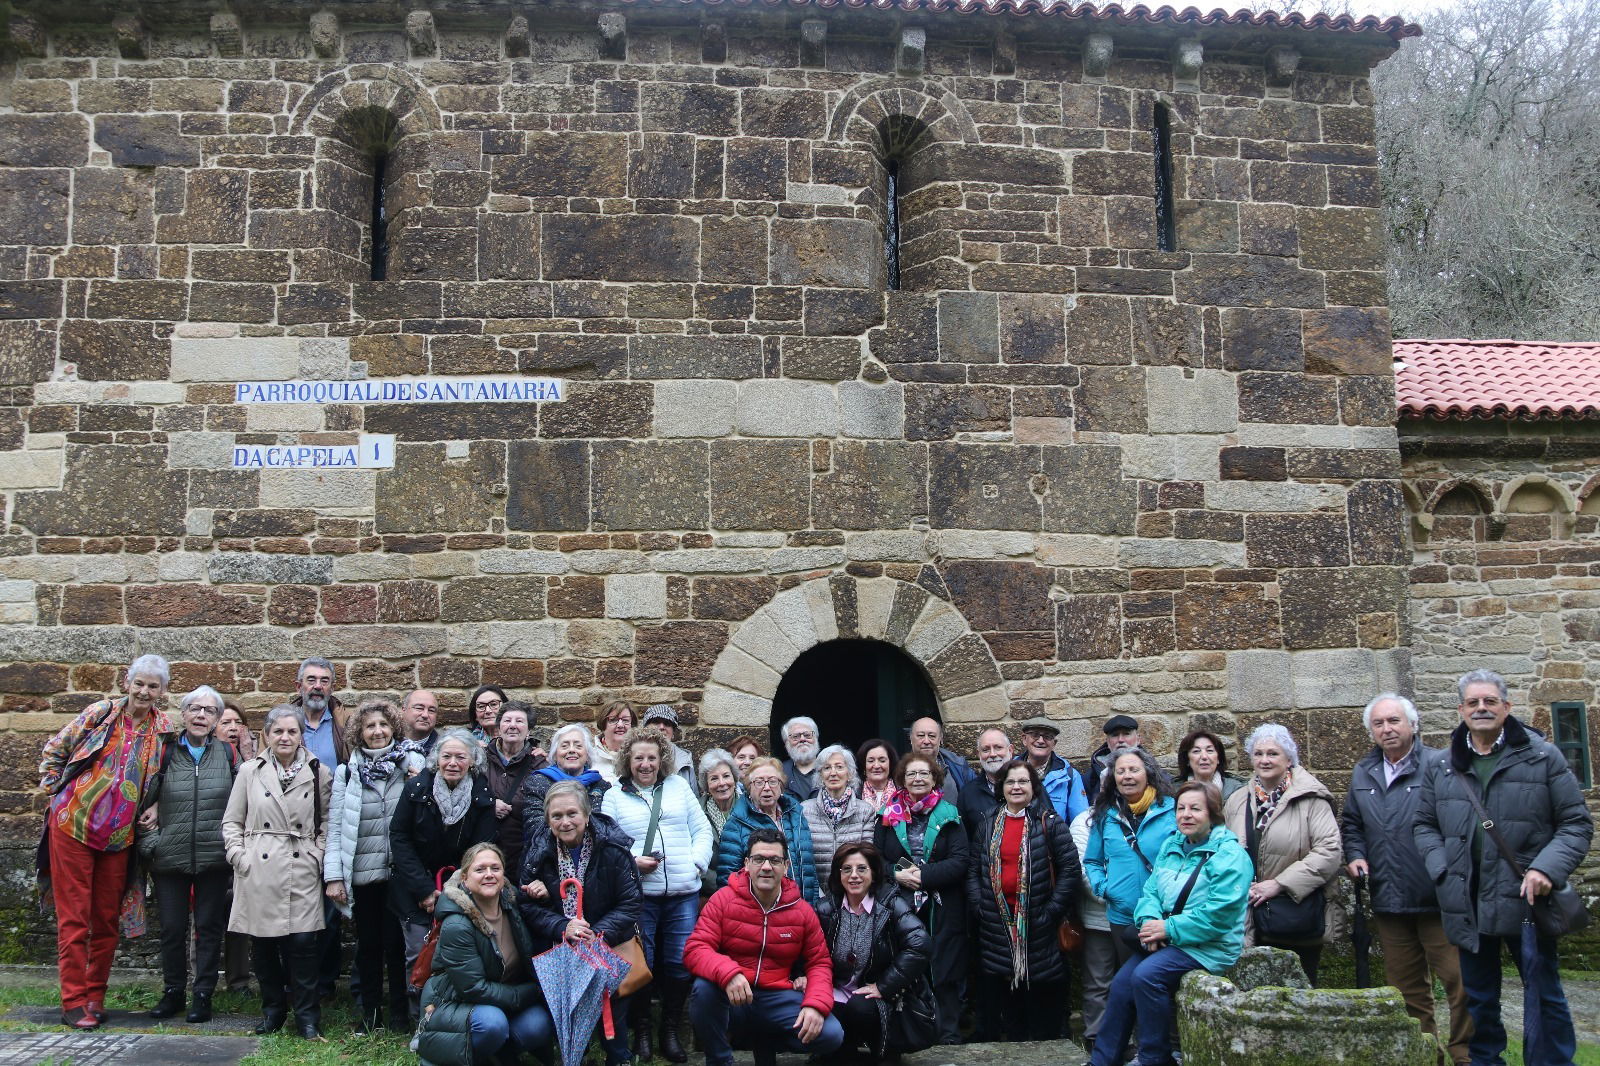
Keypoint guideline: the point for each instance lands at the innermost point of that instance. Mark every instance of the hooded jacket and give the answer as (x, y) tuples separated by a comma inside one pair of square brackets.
[(1115, 872), (735, 935), (743, 820), (683, 836), (1378, 823), (1539, 809), (1063, 786), (1300, 846), (611, 896), (1211, 926), (469, 971), (1053, 875), (421, 845)]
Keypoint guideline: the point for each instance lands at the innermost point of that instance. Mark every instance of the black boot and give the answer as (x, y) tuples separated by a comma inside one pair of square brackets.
[(639, 1023), (171, 1004), (674, 997), (272, 1019), (303, 953), (199, 1008)]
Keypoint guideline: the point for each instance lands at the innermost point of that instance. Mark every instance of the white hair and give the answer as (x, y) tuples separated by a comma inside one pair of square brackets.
[(1277, 734), (1406, 705), (711, 760), (799, 720), (573, 727), (154, 666), (1481, 677), (849, 761), (204, 692), (476, 753)]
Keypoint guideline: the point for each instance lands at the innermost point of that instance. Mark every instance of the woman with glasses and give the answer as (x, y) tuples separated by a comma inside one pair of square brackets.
[(765, 805), (483, 708), (509, 758), (615, 721), (924, 844)]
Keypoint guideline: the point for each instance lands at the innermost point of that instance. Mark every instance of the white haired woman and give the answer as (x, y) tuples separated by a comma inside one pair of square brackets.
[(180, 839), (275, 830), (571, 748), (1285, 818), (836, 815), (95, 772)]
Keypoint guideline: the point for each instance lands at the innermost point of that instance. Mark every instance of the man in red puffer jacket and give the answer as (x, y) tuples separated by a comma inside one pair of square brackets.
[(752, 937)]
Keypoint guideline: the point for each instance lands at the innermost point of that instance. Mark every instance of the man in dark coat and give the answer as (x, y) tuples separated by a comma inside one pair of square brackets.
[(1534, 802), (926, 738), (982, 794), (1377, 821), (1122, 731)]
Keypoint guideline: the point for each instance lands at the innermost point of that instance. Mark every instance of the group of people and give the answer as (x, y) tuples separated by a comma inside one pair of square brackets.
[(831, 898)]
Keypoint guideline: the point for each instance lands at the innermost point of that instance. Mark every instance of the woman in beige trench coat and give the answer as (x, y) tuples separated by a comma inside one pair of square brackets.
[(1297, 847), (274, 831)]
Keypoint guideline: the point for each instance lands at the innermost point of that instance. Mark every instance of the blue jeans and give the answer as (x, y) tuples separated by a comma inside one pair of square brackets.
[(1145, 988), (492, 1031), (1547, 1035), (766, 1025), (665, 923)]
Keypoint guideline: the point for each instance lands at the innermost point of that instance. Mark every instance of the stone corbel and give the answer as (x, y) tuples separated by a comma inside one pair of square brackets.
[(613, 35), (713, 43), (813, 43), (129, 31), (227, 35), (422, 36), (1282, 62), (1097, 51), (325, 34), (911, 55), (518, 38), (1005, 53), (1187, 55)]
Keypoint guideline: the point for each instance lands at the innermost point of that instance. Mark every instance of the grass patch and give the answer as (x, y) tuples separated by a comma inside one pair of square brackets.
[(1588, 1054)]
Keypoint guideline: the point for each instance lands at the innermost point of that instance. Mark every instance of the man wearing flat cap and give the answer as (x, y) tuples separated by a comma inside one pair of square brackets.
[(1122, 731), (1062, 783), (663, 717)]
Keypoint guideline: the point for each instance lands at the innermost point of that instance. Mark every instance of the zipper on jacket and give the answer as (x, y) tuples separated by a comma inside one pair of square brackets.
[(194, 847)]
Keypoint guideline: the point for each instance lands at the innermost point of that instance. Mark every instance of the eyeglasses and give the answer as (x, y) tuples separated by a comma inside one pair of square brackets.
[(801, 734), (919, 773), (489, 704), (765, 861)]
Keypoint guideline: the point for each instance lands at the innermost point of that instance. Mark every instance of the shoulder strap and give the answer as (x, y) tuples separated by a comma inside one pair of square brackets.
[(1188, 886), (1133, 842), (655, 817), (316, 797), (1488, 826), (1252, 835)]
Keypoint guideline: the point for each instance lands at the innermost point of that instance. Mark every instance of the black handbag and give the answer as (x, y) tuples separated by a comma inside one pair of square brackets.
[(1283, 919), (912, 1024), (1559, 911)]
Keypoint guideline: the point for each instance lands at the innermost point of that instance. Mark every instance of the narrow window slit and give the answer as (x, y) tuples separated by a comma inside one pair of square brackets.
[(891, 227), (1166, 224), (380, 217)]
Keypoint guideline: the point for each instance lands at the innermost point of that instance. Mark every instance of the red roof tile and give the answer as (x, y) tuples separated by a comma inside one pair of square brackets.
[(1496, 379), (1395, 28)]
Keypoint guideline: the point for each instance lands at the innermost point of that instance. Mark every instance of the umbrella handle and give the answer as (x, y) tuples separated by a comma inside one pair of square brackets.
[(577, 887)]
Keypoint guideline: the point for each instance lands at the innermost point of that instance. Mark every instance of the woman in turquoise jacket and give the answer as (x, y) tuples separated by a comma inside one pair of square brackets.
[(1130, 821), (766, 806), (1190, 917)]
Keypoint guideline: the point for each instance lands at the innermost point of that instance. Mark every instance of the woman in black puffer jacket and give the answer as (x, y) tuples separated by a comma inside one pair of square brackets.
[(1022, 881), (879, 955)]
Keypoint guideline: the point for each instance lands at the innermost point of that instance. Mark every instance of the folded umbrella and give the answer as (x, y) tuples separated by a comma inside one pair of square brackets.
[(1360, 938), (578, 980)]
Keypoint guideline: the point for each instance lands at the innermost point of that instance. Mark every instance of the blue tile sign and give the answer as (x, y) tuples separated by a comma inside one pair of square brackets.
[(404, 390), (372, 450)]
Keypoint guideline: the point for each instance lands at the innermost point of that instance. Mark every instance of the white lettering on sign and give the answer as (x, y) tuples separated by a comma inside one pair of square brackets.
[(403, 390), (372, 451)]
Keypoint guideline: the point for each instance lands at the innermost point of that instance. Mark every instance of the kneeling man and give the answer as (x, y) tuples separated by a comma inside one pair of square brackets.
[(763, 973)]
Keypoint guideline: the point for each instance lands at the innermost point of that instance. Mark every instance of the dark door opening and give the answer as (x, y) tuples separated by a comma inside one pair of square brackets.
[(856, 690)]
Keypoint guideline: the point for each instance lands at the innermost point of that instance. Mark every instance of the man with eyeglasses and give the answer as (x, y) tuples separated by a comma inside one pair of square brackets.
[(763, 973), (1497, 766), (800, 768)]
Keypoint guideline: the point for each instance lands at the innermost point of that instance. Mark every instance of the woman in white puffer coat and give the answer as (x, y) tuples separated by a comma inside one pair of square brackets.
[(672, 844)]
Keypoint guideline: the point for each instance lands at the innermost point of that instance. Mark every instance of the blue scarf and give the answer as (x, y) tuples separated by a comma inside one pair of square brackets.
[(587, 778)]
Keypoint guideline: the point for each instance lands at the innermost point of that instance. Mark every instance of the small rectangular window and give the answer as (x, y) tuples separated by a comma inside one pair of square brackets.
[(1570, 726), (891, 226), (1166, 222)]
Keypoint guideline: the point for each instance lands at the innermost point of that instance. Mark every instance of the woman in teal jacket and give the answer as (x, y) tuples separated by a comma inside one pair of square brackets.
[(1190, 916), (1130, 821), (766, 806)]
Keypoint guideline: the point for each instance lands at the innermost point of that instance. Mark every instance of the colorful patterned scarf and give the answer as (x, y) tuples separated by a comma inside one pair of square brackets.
[(377, 764), (572, 867), (1267, 802), (900, 806), (1016, 925), (834, 808), (875, 796), (286, 776)]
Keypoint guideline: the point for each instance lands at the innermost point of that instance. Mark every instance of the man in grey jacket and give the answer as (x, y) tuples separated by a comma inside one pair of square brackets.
[(1379, 815), (1535, 803)]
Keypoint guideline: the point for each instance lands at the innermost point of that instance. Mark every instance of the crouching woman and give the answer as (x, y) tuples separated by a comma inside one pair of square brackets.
[(481, 1004), (1190, 917)]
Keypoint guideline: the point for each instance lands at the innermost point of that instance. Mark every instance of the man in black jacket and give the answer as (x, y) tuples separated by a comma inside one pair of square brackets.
[(1379, 814), (1537, 808)]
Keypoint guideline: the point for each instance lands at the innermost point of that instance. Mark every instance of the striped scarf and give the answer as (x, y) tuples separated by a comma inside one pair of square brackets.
[(1016, 925)]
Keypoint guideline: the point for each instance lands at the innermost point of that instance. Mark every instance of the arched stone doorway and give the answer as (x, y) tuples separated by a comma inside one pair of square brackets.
[(856, 690), (956, 662)]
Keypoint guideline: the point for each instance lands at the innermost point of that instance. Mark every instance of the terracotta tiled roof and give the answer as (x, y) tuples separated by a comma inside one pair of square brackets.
[(1497, 379), (1394, 28)]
